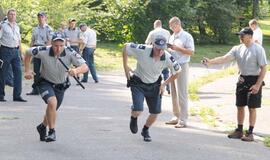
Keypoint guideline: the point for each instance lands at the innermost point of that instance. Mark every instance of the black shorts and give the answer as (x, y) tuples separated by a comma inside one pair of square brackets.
[(243, 95), (149, 92), (47, 90)]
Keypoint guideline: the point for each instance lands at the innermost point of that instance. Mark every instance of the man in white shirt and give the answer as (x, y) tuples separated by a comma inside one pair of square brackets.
[(257, 32), (88, 49)]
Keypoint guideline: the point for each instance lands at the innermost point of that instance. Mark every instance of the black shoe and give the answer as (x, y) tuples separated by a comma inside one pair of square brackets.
[(146, 136), (2, 100), (51, 136), (133, 125), (19, 99), (32, 93), (96, 81), (168, 91), (83, 81), (42, 132)]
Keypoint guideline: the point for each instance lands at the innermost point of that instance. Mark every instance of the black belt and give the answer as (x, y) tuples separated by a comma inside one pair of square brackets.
[(9, 47)]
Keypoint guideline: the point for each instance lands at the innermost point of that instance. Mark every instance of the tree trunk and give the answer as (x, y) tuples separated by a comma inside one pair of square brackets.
[(255, 9)]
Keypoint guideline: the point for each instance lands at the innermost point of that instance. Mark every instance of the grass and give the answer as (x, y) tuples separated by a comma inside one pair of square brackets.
[(267, 141), (207, 114)]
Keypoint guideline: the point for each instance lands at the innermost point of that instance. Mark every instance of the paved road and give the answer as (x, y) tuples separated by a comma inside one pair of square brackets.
[(92, 124)]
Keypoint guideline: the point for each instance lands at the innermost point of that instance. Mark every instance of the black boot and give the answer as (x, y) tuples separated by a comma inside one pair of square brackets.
[(51, 136), (42, 132)]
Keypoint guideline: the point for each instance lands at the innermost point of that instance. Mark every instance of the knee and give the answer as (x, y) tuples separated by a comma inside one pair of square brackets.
[(52, 102)]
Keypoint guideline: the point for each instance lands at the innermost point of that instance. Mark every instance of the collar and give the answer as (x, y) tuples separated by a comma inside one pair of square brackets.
[(71, 29), (44, 26), (52, 54), (162, 58)]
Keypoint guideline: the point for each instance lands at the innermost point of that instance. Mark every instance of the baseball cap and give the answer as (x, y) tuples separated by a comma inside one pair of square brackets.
[(41, 14), (57, 36), (245, 30), (160, 42), (71, 20), (82, 24)]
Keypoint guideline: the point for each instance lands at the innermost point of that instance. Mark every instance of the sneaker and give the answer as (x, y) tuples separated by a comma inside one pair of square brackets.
[(146, 136), (51, 136), (133, 125), (42, 132), (248, 137), (236, 134)]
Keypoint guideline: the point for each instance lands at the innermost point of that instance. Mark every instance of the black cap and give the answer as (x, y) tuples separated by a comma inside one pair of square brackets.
[(245, 30), (82, 25), (57, 36), (41, 14)]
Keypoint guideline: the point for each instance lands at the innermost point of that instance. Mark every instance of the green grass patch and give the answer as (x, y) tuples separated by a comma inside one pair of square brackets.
[(267, 141), (196, 84), (207, 114)]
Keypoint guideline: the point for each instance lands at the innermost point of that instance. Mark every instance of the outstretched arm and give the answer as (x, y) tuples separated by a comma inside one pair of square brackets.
[(217, 60)]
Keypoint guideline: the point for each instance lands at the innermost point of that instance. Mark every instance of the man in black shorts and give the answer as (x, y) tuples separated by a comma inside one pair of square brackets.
[(252, 63)]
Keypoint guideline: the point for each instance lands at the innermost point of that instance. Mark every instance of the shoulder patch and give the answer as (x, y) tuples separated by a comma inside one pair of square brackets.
[(70, 49), (43, 48), (35, 51), (141, 46), (172, 59), (133, 45), (176, 67)]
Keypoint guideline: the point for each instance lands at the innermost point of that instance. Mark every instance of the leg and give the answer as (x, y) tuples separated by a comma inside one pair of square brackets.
[(51, 112), (9, 77), (165, 73), (5, 56), (86, 57), (182, 90), (238, 133), (92, 65), (175, 105), (17, 72), (137, 107)]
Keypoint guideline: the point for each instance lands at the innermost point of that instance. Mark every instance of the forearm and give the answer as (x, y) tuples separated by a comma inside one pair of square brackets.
[(27, 60), (261, 75), (170, 79), (82, 69)]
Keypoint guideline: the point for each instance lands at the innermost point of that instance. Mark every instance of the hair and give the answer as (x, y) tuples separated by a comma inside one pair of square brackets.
[(157, 23), (175, 20), (253, 22), (11, 10)]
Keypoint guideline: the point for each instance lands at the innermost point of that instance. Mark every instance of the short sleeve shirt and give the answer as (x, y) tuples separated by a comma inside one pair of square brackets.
[(10, 34), (157, 31), (182, 39), (149, 70), (249, 59), (90, 38), (41, 35), (73, 34), (51, 68)]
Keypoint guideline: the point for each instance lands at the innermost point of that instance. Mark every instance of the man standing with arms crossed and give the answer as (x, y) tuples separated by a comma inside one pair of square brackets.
[(41, 36), (181, 48)]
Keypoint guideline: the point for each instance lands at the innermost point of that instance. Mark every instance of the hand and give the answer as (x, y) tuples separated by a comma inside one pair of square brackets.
[(254, 89), (162, 88), (72, 72), (205, 61), (29, 75)]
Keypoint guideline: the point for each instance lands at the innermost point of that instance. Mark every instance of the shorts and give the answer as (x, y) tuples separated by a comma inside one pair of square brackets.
[(243, 95), (47, 90), (151, 94)]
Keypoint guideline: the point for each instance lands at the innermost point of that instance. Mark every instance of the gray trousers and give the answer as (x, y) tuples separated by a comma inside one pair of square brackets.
[(179, 94)]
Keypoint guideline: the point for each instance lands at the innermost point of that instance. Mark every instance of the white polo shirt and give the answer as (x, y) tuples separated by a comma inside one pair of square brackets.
[(90, 38), (10, 35)]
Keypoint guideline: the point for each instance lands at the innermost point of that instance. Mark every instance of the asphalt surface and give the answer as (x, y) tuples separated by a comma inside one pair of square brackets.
[(93, 124)]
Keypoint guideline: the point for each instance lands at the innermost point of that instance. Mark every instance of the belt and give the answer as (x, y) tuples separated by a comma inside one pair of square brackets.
[(9, 47)]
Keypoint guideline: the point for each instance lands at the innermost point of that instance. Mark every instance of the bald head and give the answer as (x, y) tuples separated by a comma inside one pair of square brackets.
[(157, 24)]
